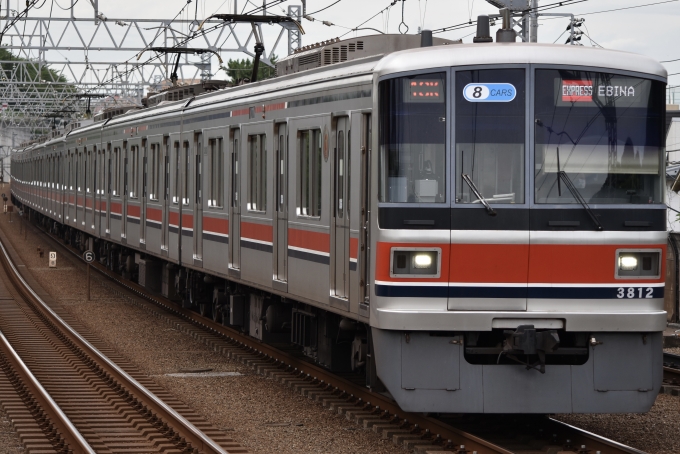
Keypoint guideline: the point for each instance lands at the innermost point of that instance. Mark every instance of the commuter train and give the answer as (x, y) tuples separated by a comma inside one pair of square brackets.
[(466, 224)]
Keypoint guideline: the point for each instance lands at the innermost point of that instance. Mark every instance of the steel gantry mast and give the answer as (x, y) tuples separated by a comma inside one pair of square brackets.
[(96, 55), (525, 14)]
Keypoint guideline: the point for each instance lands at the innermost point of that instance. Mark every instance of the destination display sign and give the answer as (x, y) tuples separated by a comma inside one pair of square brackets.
[(617, 91), (424, 90)]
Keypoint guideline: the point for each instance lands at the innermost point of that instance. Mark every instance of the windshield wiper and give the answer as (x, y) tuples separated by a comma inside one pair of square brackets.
[(562, 175), (577, 195), (479, 195)]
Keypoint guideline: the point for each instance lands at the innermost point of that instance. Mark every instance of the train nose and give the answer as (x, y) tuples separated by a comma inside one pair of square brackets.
[(487, 275)]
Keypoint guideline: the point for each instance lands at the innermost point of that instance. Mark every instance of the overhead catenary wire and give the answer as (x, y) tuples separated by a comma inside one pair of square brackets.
[(194, 35), (375, 15), (65, 9), (470, 22), (627, 7), (592, 41), (424, 14), (325, 8)]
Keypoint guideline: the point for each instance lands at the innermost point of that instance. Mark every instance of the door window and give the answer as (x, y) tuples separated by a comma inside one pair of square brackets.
[(309, 177)]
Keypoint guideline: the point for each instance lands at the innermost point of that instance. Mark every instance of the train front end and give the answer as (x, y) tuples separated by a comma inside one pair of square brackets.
[(518, 229)]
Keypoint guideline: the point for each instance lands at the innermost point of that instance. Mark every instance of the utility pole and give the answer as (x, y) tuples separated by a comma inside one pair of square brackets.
[(533, 22), (294, 35)]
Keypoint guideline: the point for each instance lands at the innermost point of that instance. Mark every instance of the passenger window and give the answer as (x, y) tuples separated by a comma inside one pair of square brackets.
[(187, 164), (340, 176), (115, 180), (79, 173), (235, 180), (309, 178), (490, 136), (257, 172), (155, 171), (134, 171), (175, 195), (216, 173)]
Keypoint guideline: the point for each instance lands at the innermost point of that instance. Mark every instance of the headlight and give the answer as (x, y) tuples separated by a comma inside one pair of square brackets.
[(638, 263), (415, 262), (628, 262), (422, 260)]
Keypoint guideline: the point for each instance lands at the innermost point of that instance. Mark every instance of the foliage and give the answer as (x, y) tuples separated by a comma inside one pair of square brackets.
[(33, 72), (238, 70)]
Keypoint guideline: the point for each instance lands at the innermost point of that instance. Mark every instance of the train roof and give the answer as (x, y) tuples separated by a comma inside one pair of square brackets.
[(517, 53), (334, 75), (415, 59)]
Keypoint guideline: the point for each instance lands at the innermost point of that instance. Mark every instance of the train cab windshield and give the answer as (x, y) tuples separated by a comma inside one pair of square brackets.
[(597, 136), (604, 131), (413, 139)]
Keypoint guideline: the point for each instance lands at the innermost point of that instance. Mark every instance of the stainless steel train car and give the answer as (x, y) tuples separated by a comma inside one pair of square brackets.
[(479, 228)]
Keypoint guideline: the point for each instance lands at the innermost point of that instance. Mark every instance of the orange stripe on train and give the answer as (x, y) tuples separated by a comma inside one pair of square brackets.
[(309, 240), (520, 263), (216, 225), (258, 232)]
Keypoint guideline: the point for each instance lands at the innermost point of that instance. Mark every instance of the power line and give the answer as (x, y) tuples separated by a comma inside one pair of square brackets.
[(470, 23), (628, 7), (181, 43), (376, 14), (68, 8), (323, 9)]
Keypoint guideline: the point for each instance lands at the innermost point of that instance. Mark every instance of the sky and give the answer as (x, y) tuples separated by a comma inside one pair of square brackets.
[(651, 30)]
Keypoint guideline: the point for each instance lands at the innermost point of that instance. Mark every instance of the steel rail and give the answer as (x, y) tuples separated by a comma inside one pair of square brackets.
[(596, 442), (312, 371), (71, 436), (181, 425), (671, 366), (316, 373)]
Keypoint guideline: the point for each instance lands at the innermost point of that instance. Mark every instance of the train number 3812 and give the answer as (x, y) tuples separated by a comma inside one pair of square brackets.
[(634, 292)]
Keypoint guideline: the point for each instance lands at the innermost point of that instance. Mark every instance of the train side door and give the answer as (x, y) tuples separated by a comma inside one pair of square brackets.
[(125, 170), (100, 184), (48, 179), (166, 195), (77, 186), (143, 194), (110, 175), (73, 186), (175, 206), (198, 199), (340, 214), (365, 199), (84, 178), (235, 200), (60, 188), (89, 189), (281, 200)]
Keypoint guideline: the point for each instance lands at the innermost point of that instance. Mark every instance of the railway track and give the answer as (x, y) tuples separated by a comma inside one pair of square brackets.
[(671, 368), (371, 410), (66, 393)]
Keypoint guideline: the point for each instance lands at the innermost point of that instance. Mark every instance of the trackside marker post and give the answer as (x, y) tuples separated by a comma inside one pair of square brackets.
[(89, 257)]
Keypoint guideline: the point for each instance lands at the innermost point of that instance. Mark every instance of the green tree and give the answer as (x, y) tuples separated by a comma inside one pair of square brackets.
[(43, 76), (238, 70)]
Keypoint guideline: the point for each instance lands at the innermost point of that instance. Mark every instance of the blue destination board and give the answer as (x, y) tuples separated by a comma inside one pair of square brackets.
[(480, 92)]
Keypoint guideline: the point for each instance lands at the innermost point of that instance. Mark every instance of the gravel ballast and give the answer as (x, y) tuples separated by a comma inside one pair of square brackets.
[(258, 412)]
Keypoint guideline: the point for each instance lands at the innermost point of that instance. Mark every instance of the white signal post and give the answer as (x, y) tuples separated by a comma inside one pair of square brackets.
[(89, 257)]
